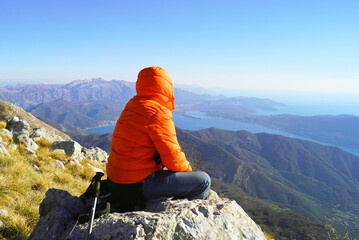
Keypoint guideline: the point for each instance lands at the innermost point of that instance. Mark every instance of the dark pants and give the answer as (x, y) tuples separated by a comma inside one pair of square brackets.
[(165, 183), (125, 197)]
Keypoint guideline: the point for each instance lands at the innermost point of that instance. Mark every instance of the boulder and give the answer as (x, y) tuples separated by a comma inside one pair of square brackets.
[(28, 142), (95, 154), (38, 133), (41, 133), (71, 148), (17, 126), (12, 120), (20, 131), (162, 219)]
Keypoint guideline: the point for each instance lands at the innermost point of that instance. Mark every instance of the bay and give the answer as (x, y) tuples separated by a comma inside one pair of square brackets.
[(197, 120)]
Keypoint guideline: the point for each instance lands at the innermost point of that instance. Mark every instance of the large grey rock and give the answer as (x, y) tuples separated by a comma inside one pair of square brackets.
[(95, 154), (17, 126), (71, 148), (41, 133), (38, 133), (12, 120), (162, 219), (20, 131), (28, 142)]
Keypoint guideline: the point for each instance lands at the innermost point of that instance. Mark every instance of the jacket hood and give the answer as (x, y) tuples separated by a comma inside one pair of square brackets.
[(155, 84)]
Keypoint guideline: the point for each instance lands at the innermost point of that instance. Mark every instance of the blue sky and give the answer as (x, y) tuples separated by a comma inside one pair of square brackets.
[(285, 45)]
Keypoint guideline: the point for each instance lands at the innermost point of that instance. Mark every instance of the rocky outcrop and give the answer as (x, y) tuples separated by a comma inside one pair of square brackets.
[(216, 218), (21, 132), (95, 154), (76, 152), (39, 133), (71, 148)]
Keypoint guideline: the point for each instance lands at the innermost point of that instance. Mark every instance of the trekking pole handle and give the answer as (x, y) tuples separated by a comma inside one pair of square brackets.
[(97, 189), (97, 178)]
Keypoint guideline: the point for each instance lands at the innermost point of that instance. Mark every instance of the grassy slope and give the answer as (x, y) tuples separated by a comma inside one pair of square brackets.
[(23, 186), (8, 110)]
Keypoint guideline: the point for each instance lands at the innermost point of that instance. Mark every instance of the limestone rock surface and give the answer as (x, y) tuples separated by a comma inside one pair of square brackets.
[(162, 219), (71, 148), (95, 154)]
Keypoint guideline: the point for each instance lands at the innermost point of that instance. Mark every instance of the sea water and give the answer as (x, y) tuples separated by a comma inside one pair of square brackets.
[(197, 120)]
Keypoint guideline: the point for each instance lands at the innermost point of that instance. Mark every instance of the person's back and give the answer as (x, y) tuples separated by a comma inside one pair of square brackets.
[(146, 129)]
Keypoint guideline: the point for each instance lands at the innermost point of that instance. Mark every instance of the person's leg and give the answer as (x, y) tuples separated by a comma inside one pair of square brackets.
[(124, 197), (164, 183)]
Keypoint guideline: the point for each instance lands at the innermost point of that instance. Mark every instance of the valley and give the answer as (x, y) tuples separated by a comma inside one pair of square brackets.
[(273, 162)]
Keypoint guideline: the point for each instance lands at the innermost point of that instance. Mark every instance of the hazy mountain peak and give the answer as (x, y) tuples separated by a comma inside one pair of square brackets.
[(85, 82)]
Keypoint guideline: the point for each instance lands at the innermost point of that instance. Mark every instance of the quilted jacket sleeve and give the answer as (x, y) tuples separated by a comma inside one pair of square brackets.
[(163, 136)]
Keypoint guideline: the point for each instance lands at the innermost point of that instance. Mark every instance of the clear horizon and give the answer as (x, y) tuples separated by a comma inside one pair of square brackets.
[(303, 46)]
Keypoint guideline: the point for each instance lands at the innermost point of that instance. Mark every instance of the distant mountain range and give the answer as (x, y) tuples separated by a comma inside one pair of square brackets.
[(78, 114), (93, 90), (96, 102)]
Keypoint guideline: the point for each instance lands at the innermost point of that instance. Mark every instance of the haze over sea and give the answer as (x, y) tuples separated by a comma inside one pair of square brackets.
[(302, 103)]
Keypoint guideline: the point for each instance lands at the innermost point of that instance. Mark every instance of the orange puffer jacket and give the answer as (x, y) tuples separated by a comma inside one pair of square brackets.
[(145, 128)]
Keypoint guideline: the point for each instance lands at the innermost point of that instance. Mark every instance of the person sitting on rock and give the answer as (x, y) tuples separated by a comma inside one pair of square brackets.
[(144, 143)]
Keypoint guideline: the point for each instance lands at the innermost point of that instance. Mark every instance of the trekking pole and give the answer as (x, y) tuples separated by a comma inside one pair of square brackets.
[(96, 193)]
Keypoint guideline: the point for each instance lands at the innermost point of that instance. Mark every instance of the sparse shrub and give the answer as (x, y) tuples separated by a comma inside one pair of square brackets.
[(332, 233), (59, 156), (44, 143)]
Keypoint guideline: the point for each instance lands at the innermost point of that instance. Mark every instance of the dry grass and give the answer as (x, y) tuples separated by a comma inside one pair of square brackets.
[(24, 180), (44, 143), (2, 124)]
